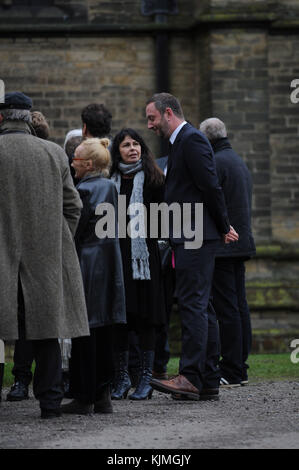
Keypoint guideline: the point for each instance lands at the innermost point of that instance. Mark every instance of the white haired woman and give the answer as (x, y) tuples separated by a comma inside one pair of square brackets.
[(91, 364)]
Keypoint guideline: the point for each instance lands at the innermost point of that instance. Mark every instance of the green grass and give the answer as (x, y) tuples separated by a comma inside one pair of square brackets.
[(262, 367)]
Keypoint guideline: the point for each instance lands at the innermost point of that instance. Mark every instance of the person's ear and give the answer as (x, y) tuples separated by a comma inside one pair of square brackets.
[(89, 164), (84, 130), (169, 113)]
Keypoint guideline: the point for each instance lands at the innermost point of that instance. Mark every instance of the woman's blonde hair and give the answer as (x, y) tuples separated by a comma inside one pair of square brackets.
[(97, 150)]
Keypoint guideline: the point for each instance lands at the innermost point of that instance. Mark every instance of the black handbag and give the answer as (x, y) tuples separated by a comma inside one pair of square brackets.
[(165, 254)]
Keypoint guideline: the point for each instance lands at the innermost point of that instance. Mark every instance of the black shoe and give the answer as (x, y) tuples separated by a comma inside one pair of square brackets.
[(226, 384), (77, 408), (209, 394), (103, 403), (244, 382), (50, 414), (18, 392)]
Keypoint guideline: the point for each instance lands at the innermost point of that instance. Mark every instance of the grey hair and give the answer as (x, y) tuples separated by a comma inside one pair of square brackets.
[(213, 128), (16, 115)]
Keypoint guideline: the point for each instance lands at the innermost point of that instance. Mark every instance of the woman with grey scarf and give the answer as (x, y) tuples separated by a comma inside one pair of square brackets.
[(140, 180)]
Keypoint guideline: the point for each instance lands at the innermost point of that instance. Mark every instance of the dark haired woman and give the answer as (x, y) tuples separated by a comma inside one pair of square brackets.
[(139, 178)]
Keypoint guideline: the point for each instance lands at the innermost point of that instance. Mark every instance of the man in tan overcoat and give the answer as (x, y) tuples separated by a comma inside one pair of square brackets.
[(41, 290)]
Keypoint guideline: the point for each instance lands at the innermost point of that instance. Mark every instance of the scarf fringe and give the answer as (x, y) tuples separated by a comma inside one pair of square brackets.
[(139, 250), (66, 350), (141, 270)]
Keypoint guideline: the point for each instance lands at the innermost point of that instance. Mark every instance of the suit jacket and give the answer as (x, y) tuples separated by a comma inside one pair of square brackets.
[(192, 178)]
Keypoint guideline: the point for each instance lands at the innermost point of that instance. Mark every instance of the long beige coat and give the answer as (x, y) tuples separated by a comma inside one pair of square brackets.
[(39, 212)]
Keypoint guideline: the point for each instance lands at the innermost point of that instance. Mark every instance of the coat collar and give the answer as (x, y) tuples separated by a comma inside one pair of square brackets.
[(89, 177), (15, 126), (221, 144)]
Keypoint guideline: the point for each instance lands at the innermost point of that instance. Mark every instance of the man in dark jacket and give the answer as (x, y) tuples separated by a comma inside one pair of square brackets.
[(191, 178), (229, 294)]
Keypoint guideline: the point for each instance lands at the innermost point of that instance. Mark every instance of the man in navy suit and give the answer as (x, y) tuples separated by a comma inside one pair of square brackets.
[(192, 178)]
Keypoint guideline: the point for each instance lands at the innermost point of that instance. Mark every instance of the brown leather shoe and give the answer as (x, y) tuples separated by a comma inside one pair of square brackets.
[(178, 384), (205, 395), (159, 375)]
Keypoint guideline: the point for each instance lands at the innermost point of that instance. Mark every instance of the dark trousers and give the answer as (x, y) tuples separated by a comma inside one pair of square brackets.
[(47, 380), (91, 364), (229, 300), (162, 352), (23, 359), (200, 337), (140, 337)]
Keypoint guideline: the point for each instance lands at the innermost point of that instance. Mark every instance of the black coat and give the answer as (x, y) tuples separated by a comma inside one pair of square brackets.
[(235, 179), (192, 178), (100, 259), (144, 298)]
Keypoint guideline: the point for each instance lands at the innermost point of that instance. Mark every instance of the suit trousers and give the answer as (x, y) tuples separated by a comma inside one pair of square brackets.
[(91, 364), (229, 300), (200, 336), (162, 350), (47, 379)]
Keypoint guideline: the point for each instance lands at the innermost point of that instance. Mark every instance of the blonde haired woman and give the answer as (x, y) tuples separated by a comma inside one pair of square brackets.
[(91, 364)]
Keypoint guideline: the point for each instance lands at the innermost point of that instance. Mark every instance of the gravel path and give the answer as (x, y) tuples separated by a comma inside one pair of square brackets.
[(261, 415)]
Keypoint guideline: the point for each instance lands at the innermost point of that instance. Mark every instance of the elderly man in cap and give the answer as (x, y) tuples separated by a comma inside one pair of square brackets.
[(42, 298)]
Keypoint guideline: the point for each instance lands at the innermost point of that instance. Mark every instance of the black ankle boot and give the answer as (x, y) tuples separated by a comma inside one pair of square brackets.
[(103, 403), (122, 381), (144, 390)]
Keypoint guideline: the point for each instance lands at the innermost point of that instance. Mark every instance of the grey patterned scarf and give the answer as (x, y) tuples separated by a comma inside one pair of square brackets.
[(139, 250)]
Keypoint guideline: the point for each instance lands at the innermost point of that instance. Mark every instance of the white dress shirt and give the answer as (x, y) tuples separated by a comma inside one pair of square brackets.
[(176, 131)]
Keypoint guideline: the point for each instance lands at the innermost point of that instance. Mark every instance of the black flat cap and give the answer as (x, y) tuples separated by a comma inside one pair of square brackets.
[(16, 100)]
